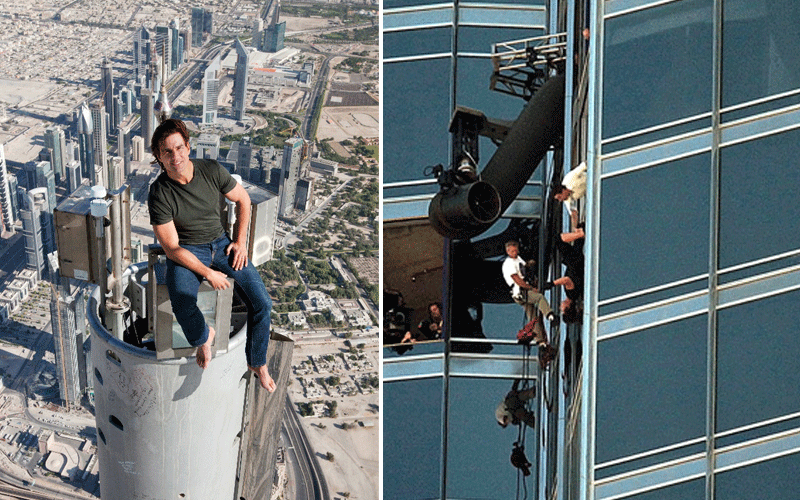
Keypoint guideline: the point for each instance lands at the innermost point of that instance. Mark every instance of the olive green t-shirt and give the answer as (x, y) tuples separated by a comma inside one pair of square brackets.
[(194, 207)]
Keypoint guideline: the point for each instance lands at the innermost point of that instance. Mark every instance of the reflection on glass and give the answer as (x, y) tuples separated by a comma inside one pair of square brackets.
[(768, 480), (655, 226), (757, 361), (417, 42), (760, 44), (651, 388), (417, 116), (478, 448), (682, 491), (656, 64), (756, 180), (412, 437)]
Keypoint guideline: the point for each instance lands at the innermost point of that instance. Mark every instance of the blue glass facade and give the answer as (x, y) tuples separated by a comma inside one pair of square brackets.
[(681, 381), (437, 56), (689, 378)]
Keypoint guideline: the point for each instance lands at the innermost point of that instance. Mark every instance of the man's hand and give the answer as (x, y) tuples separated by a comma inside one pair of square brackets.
[(239, 255), (217, 279)]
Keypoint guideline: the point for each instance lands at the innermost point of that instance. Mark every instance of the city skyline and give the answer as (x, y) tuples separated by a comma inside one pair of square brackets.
[(90, 137)]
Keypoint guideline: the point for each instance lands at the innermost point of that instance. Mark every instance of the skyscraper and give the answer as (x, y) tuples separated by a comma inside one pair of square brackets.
[(164, 49), (268, 32), (660, 392), (211, 92), (137, 148), (258, 29), (39, 174), (273, 37), (65, 346), (305, 189), (176, 52), (124, 146), (107, 93), (100, 168), (243, 157), (6, 204), (37, 229), (74, 176), (207, 146), (148, 117), (55, 141), (290, 173), (86, 141), (141, 53), (126, 98), (240, 81), (202, 22)]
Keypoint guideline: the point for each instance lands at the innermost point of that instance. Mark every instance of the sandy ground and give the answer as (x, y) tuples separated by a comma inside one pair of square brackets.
[(342, 123), (294, 24), (355, 465)]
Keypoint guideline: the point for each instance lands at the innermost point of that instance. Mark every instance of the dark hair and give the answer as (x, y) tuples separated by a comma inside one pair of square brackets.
[(572, 314), (437, 304), (167, 128), (558, 189)]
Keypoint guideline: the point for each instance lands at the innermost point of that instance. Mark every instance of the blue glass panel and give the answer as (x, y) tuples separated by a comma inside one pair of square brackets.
[(757, 352), (757, 433), (657, 63), (660, 295), (765, 107), (692, 490), (472, 90), (651, 388), (392, 4), (480, 40), (760, 43), (438, 15), (500, 16), (650, 460), (417, 42), (768, 480), (416, 117), (758, 182), (478, 463), (641, 139), (412, 451), (644, 215)]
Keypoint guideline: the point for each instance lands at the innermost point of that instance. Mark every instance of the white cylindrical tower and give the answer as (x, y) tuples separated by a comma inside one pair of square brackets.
[(166, 428)]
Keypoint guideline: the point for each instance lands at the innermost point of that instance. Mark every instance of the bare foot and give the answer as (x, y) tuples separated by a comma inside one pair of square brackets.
[(263, 376), (204, 351)]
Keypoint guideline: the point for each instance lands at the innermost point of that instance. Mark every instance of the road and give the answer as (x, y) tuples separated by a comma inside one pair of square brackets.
[(317, 94), (311, 474)]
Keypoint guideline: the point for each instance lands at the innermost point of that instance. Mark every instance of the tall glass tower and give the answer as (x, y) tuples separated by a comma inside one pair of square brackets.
[(6, 204), (55, 141), (107, 92), (211, 92), (290, 173), (240, 81), (100, 146), (680, 380)]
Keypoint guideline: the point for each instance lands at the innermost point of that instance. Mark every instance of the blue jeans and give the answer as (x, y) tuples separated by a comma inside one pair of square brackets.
[(183, 285)]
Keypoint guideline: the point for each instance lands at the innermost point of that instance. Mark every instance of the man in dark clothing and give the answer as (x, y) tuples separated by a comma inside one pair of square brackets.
[(431, 328), (572, 281), (185, 214)]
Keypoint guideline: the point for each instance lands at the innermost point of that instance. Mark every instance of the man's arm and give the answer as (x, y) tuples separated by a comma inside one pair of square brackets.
[(239, 196), (167, 236), (522, 283)]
